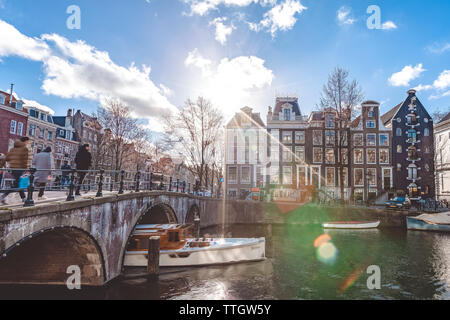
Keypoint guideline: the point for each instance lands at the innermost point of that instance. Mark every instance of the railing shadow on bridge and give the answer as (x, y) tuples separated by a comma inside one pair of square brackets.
[(70, 181)]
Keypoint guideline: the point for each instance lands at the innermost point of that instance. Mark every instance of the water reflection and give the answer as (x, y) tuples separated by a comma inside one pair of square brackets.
[(414, 265)]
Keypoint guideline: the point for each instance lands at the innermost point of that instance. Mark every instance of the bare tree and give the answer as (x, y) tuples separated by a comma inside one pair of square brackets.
[(194, 132), (123, 130), (341, 97), (439, 115)]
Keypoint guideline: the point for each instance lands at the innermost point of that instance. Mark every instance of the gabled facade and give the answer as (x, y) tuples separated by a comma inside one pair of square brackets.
[(245, 156), (287, 140), (442, 156), (412, 148), (66, 144), (371, 171), (41, 129)]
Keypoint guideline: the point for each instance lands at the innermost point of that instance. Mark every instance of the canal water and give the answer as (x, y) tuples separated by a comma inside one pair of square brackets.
[(303, 262)]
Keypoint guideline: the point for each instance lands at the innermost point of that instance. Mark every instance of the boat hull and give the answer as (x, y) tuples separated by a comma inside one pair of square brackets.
[(420, 225), (235, 253), (353, 226)]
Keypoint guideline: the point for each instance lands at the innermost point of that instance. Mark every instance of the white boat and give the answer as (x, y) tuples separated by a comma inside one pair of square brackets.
[(430, 222), (351, 225), (178, 251)]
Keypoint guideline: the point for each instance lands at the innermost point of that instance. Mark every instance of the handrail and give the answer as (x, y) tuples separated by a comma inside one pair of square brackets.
[(119, 181)]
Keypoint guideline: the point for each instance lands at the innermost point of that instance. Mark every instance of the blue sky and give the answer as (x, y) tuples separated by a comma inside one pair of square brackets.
[(155, 54)]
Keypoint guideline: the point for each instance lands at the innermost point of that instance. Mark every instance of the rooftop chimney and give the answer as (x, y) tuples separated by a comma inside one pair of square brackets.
[(11, 96)]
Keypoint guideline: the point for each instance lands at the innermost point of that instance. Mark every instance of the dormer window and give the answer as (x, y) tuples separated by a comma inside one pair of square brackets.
[(287, 115), (2, 99), (19, 105)]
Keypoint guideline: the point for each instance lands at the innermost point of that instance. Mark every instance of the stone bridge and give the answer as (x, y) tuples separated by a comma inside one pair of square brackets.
[(38, 244)]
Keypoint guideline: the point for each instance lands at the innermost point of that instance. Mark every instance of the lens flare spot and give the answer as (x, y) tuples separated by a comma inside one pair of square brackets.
[(321, 240), (327, 252)]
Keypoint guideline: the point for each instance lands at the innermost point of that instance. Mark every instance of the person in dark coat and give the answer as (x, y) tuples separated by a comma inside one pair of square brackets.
[(83, 161)]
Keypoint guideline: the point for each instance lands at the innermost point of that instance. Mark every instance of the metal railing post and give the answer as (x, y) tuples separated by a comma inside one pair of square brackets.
[(122, 176), (100, 185), (30, 202), (170, 184), (151, 181), (178, 185), (138, 181), (70, 196)]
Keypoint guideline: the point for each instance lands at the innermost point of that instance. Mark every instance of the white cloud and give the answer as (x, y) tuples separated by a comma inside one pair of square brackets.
[(194, 58), (78, 70), (439, 48), (202, 7), (388, 25), (280, 17), (14, 43), (343, 16), (421, 87), (404, 77), (231, 83), (443, 81), (222, 30)]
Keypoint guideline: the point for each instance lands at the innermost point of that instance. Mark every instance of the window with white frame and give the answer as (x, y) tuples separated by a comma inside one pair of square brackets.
[(359, 177), (2, 99), (384, 140), (329, 121), (371, 124), (287, 175), (371, 139), (426, 132), (13, 127), (358, 156), (20, 129), (232, 175), (245, 175), (317, 155), (274, 175), (330, 137), (300, 154), (330, 177), (372, 177), (287, 114), (287, 155), (287, 137), (32, 130), (358, 140), (330, 157), (317, 137), (384, 156), (345, 174), (371, 156), (399, 132), (300, 137)]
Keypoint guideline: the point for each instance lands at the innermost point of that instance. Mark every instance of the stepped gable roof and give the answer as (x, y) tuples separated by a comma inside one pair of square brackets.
[(281, 101)]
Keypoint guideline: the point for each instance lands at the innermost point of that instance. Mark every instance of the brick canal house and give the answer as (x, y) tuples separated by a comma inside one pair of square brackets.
[(41, 128), (66, 144), (412, 148), (371, 167), (245, 156), (308, 153), (13, 121), (442, 156)]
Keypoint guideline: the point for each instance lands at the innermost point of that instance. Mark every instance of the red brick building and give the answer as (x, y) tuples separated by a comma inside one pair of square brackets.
[(13, 121)]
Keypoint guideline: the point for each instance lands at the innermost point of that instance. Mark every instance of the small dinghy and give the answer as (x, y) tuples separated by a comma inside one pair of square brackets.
[(351, 225), (430, 222), (177, 250)]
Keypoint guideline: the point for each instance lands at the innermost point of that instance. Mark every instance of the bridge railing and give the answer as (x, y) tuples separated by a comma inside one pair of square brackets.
[(28, 182)]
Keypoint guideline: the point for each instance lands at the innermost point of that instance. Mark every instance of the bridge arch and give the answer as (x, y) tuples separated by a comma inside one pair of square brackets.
[(194, 211), (159, 213), (45, 256)]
